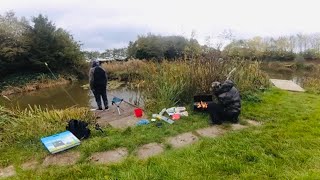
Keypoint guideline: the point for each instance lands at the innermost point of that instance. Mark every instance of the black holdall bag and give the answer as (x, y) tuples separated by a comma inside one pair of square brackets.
[(78, 128)]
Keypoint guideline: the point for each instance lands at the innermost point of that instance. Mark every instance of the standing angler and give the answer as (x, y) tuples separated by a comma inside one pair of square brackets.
[(98, 84)]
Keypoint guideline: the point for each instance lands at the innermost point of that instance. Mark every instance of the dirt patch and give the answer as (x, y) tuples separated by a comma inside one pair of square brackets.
[(182, 140), (62, 159), (109, 157), (211, 132), (30, 165), (7, 172), (149, 150)]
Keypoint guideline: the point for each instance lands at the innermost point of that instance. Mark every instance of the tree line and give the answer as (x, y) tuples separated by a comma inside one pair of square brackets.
[(164, 47), (25, 46), (111, 54), (306, 46), (284, 48)]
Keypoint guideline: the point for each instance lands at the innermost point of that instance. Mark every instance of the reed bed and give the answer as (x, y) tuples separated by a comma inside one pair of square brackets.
[(30, 124), (170, 83)]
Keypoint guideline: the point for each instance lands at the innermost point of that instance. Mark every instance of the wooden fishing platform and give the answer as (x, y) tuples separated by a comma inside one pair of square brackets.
[(287, 85), (111, 116)]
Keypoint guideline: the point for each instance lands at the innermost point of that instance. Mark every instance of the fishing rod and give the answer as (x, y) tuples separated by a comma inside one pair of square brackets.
[(6, 97), (61, 86), (230, 73)]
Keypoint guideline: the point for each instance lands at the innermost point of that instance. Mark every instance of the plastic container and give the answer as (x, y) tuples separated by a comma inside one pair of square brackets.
[(163, 110), (143, 122), (180, 109), (175, 116), (138, 112)]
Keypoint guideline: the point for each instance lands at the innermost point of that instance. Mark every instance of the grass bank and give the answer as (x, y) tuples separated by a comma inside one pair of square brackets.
[(286, 146), (18, 83)]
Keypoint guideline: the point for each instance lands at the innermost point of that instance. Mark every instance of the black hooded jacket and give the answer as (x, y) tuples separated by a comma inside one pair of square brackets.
[(97, 77), (229, 97)]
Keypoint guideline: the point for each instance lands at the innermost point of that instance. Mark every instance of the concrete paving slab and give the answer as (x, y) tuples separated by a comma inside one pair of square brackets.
[(125, 122), (254, 123), (61, 159), (7, 172), (237, 126), (211, 132), (287, 85), (30, 165), (182, 140), (149, 150), (106, 116), (109, 157)]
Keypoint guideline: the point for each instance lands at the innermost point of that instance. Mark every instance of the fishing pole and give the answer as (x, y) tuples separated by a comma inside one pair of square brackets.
[(6, 97), (61, 86), (230, 73)]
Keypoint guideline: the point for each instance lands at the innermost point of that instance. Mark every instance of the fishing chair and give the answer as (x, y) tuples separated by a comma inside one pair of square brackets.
[(117, 101)]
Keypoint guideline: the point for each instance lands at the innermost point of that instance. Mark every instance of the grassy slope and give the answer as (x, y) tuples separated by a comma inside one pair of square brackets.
[(286, 146), (17, 83)]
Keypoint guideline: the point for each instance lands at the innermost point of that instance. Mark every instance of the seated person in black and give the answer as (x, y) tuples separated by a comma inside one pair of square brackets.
[(229, 103)]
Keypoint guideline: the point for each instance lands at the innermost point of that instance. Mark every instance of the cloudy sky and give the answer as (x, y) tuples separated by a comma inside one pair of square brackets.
[(102, 24)]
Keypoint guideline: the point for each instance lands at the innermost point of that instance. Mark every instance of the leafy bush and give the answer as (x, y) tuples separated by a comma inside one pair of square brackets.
[(26, 47)]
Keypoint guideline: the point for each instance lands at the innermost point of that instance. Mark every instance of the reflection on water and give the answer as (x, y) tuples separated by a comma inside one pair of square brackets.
[(57, 98)]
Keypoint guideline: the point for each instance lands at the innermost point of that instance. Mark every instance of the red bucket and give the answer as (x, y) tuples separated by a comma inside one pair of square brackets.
[(138, 112)]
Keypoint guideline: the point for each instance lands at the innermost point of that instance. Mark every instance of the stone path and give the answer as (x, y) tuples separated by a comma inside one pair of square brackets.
[(287, 85), (211, 132), (235, 127), (254, 123), (109, 156), (30, 165), (119, 154), (61, 159), (7, 172), (149, 150), (182, 140)]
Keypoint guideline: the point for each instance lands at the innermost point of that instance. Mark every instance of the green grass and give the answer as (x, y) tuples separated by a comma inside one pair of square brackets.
[(25, 131), (287, 146)]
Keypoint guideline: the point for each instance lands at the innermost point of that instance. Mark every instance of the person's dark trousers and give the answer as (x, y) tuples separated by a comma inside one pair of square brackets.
[(98, 93), (216, 112), (218, 115)]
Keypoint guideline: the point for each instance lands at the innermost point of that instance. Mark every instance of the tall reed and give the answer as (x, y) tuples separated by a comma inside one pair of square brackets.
[(29, 125), (124, 71), (311, 82), (170, 83)]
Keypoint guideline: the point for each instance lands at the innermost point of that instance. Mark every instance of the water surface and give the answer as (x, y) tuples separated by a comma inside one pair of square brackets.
[(64, 96)]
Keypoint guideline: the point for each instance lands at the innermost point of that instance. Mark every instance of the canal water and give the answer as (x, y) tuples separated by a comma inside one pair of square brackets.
[(59, 97), (65, 96)]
